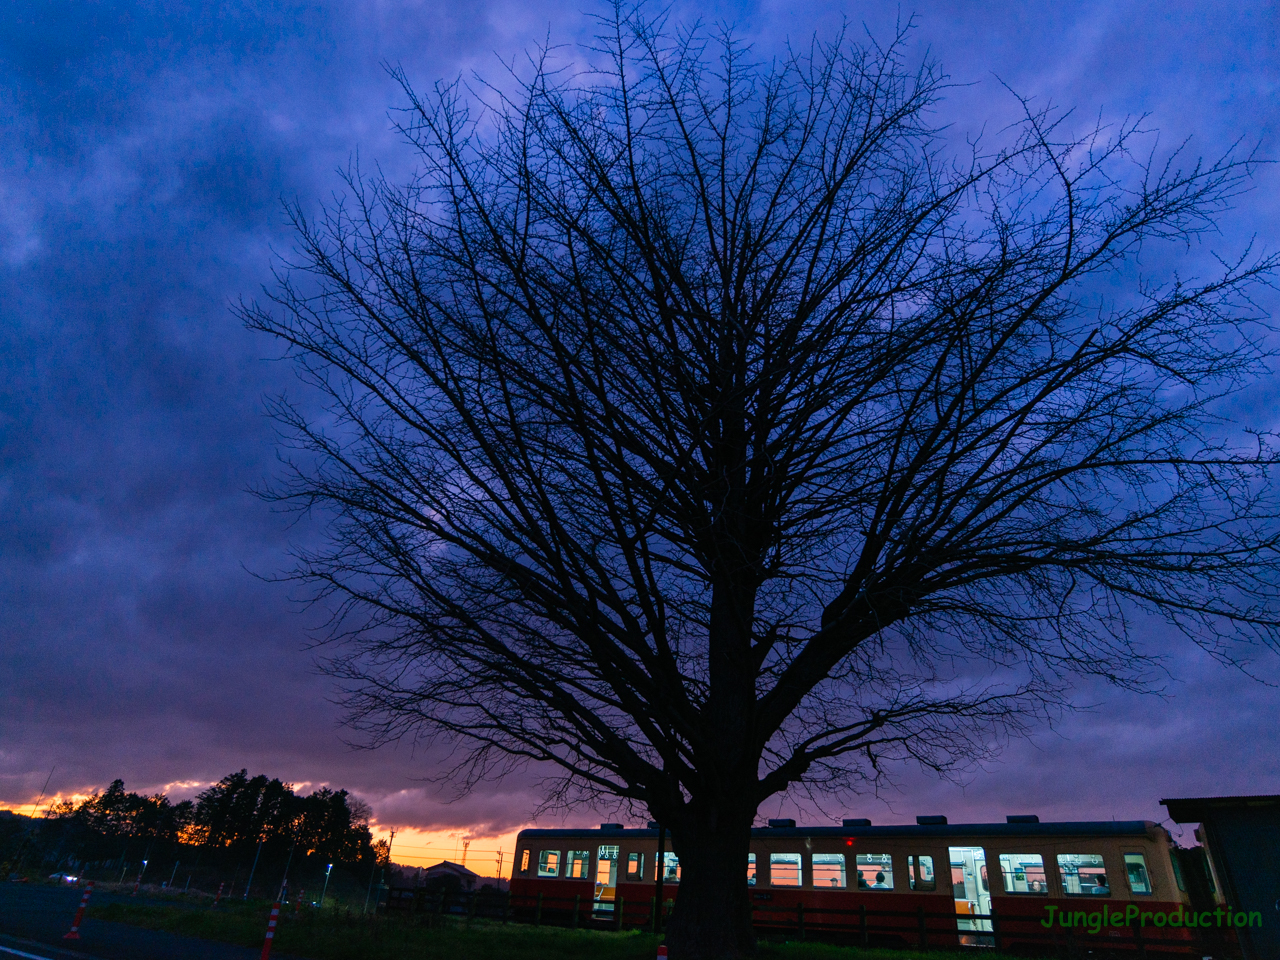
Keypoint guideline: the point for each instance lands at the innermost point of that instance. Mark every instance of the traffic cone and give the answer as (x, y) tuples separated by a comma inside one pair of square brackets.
[(662, 952), (271, 931), (75, 924)]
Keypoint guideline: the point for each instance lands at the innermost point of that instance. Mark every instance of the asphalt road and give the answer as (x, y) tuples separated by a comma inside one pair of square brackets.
[(34, 917)]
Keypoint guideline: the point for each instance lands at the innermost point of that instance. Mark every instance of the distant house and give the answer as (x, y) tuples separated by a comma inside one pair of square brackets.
[(446, 869)]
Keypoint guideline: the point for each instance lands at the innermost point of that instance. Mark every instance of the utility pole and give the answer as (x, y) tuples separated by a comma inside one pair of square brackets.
[(466, 842)]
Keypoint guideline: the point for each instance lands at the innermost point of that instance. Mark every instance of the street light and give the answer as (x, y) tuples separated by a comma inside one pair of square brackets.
[(328, 870)]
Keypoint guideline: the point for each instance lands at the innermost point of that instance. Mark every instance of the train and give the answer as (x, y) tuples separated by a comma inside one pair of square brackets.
[(1106, 886)]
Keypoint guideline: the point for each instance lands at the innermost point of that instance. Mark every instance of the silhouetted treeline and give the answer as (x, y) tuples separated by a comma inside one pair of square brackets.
[(96, 825), (239, 811), (235, 824)]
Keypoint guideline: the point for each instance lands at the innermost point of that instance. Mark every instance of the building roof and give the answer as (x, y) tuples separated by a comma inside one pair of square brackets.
[(448, 866), (1198, 809), (1082, 828)]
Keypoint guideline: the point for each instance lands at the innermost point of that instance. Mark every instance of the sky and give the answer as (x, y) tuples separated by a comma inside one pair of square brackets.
[(145, 151)]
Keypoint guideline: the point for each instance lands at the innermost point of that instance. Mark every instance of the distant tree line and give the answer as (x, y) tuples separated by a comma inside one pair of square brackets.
[(234, 823)]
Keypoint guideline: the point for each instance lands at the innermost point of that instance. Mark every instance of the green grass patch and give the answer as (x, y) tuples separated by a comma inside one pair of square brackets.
[(333, 935)]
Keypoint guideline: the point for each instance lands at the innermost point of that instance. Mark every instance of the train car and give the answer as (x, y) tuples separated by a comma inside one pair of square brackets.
[(1021, 885)]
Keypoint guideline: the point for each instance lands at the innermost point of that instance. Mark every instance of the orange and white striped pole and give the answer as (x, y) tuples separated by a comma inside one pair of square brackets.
[(75, 924), (219, 895), (297, 904), (271, 931)]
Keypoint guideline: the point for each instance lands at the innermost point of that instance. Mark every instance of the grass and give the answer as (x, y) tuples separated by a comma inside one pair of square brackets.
[(335, 936)]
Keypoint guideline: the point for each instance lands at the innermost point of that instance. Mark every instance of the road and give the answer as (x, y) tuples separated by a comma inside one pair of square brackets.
[(34, 917)]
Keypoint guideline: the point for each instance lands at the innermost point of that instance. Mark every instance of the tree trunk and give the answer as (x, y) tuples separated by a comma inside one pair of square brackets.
[(712, 918)]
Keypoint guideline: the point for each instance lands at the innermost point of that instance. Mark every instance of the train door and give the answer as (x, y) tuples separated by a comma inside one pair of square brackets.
[(972, 891), (606, 879)]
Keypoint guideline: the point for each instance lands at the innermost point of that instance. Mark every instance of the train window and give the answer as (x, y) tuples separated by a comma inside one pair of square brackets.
[(607, 866), (1024, 873), (1177, 871), (1083, 874), (920, 874), (524, 861), (1135, 866), (828, 870), (785, 870), (549, 863), (751, 869), (671, 868), (577, 863), (875, 871), (635, 866)]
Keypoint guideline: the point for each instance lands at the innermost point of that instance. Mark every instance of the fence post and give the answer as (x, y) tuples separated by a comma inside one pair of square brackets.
[(618, 908), (653, 914), (800, 919), (862, 921), (924, 931), (1142, 947), (537, 916), (577, 905), (995, 926)]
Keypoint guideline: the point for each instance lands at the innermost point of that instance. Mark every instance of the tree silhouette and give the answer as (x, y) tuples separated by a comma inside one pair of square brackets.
[(701, 427), (232, 815)]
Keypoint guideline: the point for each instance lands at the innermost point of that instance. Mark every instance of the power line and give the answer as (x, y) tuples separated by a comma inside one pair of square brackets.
[(445, 846)]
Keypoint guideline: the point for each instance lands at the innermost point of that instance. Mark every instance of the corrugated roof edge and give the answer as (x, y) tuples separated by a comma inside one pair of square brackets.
[(1194, 809), (1068, 828)]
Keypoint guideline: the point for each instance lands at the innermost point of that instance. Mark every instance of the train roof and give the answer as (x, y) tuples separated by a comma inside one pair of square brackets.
[(1081, 828)]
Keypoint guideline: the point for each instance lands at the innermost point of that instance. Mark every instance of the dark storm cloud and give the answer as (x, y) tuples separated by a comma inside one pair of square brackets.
[(145, 156), (144, 152)]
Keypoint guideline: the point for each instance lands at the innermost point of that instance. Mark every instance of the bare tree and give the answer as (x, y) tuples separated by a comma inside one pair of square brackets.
[(703, 427)]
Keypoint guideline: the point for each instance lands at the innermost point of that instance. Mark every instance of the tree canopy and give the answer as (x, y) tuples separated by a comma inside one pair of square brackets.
[(233, 814), (699, 426)]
